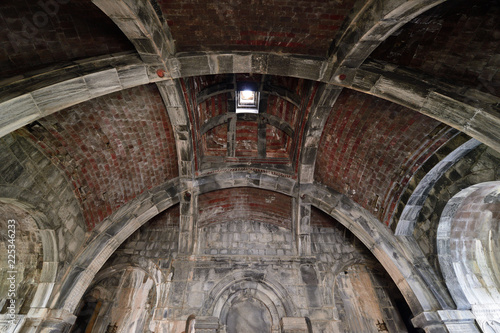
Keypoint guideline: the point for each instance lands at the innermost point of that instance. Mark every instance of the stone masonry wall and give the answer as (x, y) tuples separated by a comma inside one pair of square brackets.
[(157, 240), (245, 238), (240, 263), (28, 178), (28, 258), (146, 256), (364, 303), (479, 166), (247, 204)]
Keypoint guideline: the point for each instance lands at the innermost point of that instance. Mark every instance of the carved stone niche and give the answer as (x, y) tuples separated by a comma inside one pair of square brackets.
[(247, 301)]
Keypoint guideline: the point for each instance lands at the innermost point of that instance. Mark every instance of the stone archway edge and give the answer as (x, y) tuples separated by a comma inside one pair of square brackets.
[(465, 292), (116, 228), (113, 231), (400, 264), (469, 110), (408, 219)]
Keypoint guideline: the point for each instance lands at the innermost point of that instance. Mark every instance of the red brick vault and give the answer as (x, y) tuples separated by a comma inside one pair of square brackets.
[(370, 149), (301, 27), (39, 34), (112, 148), (124, 150)]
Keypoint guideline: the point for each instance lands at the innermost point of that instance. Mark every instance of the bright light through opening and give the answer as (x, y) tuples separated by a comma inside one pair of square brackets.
[(247, 97)]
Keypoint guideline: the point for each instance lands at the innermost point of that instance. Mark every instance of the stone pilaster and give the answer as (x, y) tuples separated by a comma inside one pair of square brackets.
[(188, 229), (302, 227)]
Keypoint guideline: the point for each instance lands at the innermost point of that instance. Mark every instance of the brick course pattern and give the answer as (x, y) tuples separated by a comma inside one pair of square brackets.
[(156, 240), (321, 219), (247, 204), (245, 238), (419, 175), (280, 147), (370, 148), (35, 34), (457, 40), (112, 148), (305, 27), (476, 218)]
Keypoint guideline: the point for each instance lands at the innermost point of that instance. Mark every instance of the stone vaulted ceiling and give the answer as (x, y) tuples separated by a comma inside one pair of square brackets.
[(131, 104)]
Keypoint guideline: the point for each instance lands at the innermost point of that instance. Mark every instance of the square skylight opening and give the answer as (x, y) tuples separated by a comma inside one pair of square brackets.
[(247, 98)]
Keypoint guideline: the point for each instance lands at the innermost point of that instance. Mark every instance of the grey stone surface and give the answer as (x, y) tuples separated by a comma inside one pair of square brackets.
[(248, 316), (291, 272)]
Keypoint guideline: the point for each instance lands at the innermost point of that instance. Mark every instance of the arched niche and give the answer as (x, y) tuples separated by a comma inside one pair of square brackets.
[(250, 291), (28, 263), (469, 252), (247, 313)]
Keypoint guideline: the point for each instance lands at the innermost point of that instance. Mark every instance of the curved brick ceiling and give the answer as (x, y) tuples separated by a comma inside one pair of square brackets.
[(370, 148), (34, 36), (282, 148), (303, 27), (112, 148), (457, 40), (245, 204)]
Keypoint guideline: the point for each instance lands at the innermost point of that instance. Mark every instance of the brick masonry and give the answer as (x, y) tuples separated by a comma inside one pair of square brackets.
[(98, 160), (245, 204), (237, 140), (481, 165), (305, 27), (120, 149), (303, 287), (457, 41), (419, 175), (370, 148), (35, 34)]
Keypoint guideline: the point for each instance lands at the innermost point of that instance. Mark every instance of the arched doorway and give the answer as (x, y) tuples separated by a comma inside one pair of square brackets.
[(248, 314)]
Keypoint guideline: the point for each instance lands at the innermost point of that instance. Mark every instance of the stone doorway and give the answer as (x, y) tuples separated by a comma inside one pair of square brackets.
[(249, 315)]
